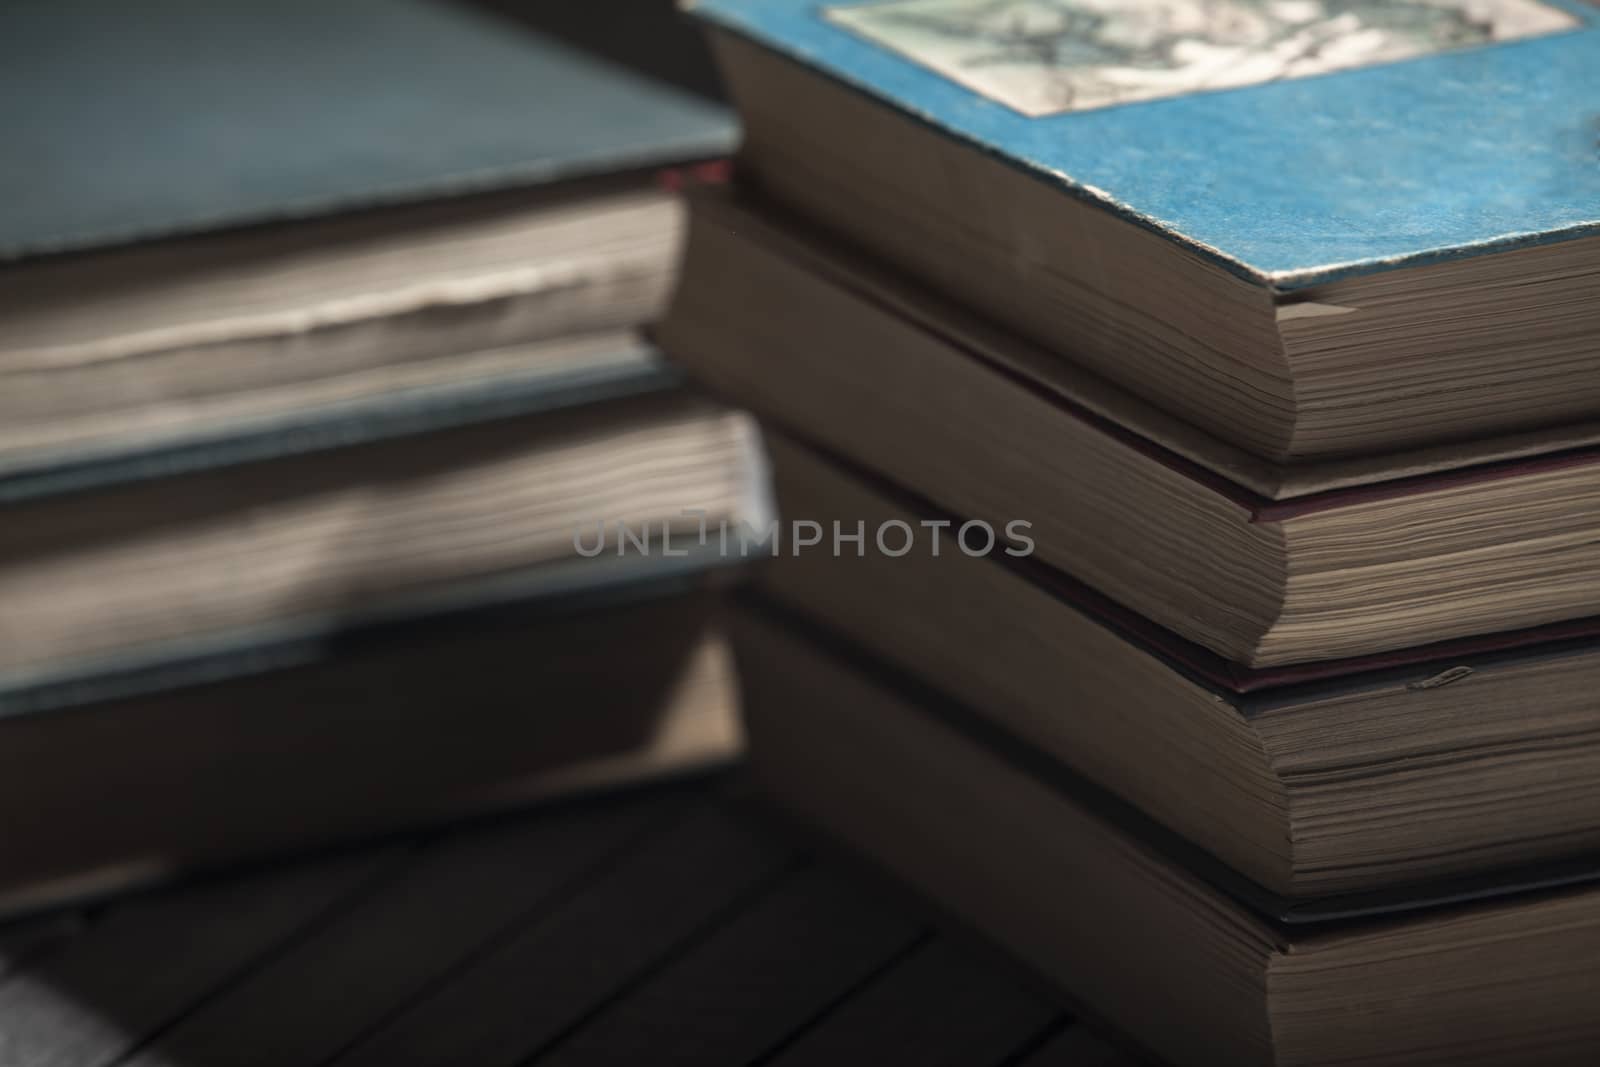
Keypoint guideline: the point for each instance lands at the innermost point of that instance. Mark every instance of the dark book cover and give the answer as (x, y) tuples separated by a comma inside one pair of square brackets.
[(633, 367), (127, 122), (551, 590)]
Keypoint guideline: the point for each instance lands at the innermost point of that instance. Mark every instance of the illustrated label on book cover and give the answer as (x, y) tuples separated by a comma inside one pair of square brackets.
[(1042, 57)]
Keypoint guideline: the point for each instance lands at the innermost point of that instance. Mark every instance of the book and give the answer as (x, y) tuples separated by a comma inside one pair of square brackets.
[(583, 683), (1412, 558), (1314, 230), (228, 555), (342, 491), (308, 205), (1077, 389), (1118, 919), (1364, 780)]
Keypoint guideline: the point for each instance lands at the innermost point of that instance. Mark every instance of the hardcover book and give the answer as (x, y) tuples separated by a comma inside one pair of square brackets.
[(589, 681), (401, 624), (223, 557), (126, 124), (1316, 229), (220, 219)]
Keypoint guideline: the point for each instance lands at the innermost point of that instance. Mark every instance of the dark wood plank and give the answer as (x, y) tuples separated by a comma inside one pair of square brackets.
[(551, 973), (667, 927), (938, 1007), (750, 983), (1077, 1046), (148, 960), (463, 891)]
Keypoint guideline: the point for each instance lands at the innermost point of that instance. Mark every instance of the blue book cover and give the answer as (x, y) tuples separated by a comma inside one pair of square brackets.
[(127, 121), (590, 375), (1292, 141)]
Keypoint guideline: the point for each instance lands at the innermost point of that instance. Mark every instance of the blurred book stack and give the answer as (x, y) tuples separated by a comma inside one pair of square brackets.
[(339, 485), (1201, 566)]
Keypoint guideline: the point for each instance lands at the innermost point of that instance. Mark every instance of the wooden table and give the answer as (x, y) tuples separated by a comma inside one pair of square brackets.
[(676, 925)]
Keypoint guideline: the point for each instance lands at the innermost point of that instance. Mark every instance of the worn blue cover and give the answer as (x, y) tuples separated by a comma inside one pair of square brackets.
[(538, 591), (123, 121), (1486, 138), (636, 368)]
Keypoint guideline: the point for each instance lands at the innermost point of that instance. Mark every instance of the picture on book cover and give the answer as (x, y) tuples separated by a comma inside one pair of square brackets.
[(1042, 57)]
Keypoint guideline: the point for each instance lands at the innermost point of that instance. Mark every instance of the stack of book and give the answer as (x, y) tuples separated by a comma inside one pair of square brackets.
[(1192, 499), (337, 484)]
